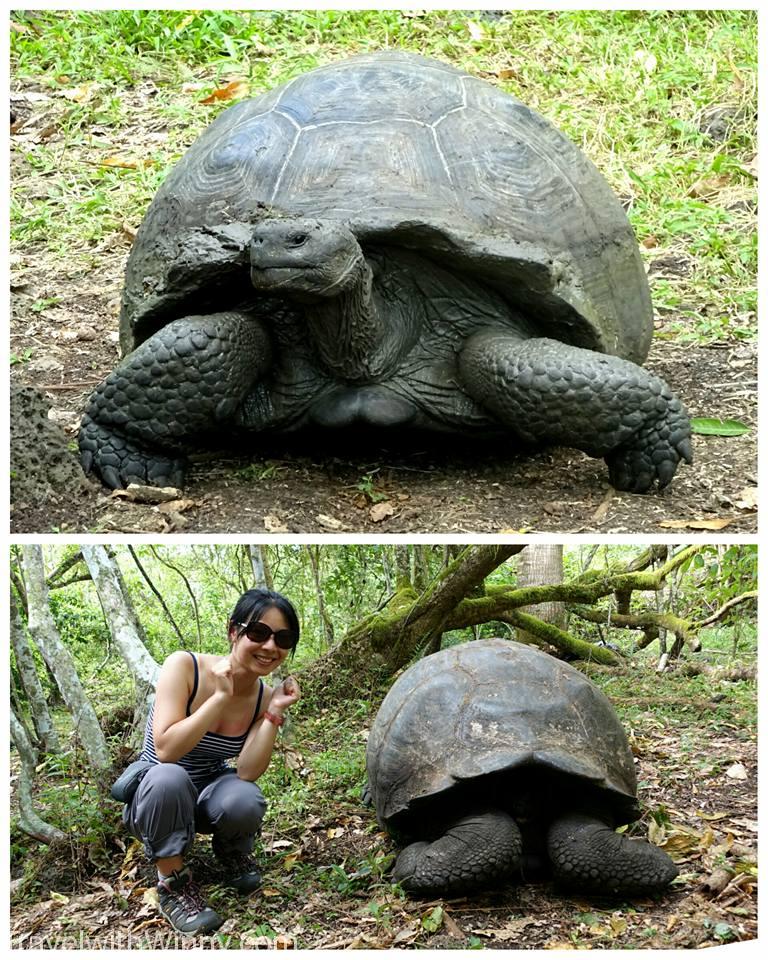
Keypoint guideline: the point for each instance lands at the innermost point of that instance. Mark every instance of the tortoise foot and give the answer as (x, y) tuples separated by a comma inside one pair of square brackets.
[(479, 850), (117, 461), (587, 855), (653, 454)]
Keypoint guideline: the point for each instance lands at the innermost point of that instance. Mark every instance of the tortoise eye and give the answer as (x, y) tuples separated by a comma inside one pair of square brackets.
[(297, 239)]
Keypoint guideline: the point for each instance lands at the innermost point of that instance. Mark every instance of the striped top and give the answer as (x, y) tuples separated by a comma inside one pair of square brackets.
[(207, 758)]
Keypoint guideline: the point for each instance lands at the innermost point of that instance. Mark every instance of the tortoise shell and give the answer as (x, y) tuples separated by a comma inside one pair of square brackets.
[(409, 152), (493, 706)]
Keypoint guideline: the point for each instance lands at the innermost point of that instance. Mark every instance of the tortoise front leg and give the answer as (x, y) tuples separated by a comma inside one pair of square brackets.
[(186, 380), (588, 855), (551, 392), (476, 851)]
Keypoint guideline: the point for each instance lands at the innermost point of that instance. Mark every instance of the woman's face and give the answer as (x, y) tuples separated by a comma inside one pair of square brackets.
[(260, 658)]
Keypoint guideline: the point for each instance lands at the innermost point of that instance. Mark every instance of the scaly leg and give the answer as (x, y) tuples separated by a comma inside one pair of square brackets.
[(185, 381), (551, 392)]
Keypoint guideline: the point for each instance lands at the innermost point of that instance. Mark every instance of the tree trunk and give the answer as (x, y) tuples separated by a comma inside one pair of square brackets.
[(261, 573), (313, 553), (402, 565), (126, 633), (29, 821), (25, 662), (44, 632), (120, 616), (540, 564)]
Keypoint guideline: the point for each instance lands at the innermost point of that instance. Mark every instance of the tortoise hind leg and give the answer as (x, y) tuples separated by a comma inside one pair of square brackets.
[(588, 855), (184, 381), (476, 851), (552, 392)]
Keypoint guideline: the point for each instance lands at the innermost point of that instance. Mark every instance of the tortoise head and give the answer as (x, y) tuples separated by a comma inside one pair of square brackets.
[(303, 258)]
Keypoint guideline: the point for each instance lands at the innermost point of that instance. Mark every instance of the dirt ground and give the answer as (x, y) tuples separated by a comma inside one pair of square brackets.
[(64, 341)]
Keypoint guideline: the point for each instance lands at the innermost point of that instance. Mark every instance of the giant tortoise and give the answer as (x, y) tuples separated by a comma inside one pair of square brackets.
[(384, 242), (492, 761)]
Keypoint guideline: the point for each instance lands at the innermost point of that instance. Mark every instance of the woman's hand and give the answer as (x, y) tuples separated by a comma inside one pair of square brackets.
[(224, 684), (283, 696)]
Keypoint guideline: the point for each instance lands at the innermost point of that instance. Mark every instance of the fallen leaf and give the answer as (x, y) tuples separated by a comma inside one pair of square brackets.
[(380, 511), (46, 133), (433, 920), (174, 521), (331, 523), (143, 494), (234, 89), (453, 929), (737, 771), (256, 943), (270, 892), (747, 499), (278, 845), (284, 942), (150, 896), (128, 230), (713, 427), (274, 524), (711, 816), (696, 524), (681, 844), (124, 163), (59, 897), (618, 925), (649, 243), (708, 186), (79, 94), (334, 833), (510, 930)]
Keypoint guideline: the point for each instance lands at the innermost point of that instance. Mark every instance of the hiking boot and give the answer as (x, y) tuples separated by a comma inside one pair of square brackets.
[(182, 904), (240, 870)]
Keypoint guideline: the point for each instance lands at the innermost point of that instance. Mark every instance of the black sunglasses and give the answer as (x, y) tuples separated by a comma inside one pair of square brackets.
[(258, 632)]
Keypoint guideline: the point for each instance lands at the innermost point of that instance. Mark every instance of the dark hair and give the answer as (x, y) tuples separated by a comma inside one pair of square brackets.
[(254, 602)]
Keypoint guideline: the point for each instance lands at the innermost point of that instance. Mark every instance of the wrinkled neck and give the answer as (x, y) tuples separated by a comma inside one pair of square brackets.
[(351, 333)]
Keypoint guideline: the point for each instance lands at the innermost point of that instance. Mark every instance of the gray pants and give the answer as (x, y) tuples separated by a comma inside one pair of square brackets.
[(168, 809)]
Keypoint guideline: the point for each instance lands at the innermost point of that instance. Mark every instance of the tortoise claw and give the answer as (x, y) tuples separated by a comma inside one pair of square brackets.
[(117, 460), (652, 455)]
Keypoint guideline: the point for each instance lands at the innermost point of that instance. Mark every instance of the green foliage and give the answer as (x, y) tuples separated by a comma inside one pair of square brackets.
[(711, 427)]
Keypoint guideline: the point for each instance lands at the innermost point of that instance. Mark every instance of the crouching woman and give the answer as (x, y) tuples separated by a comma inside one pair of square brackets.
[(207, 710)]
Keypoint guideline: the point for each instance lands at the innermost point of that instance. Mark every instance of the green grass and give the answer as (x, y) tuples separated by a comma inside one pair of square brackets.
[(631, 87)]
